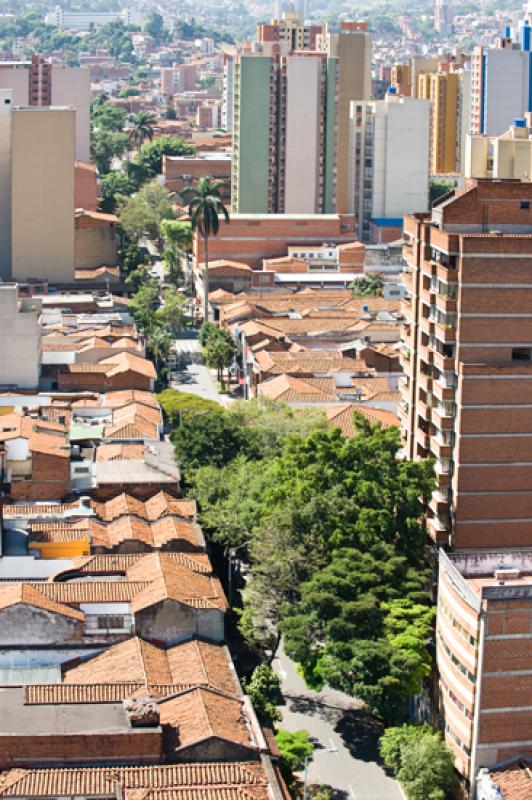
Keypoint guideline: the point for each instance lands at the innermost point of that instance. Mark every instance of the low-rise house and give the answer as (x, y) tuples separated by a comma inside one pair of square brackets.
[(232, 781), (34, 457), (342, 416), (96, 240), (163, 597), (123, 371)]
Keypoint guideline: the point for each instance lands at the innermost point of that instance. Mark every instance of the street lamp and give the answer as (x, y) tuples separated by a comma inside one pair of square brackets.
[(307, 760)]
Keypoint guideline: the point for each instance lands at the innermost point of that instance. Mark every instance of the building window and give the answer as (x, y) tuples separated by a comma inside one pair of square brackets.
[(525, 204), (109, 622), (520, 353)]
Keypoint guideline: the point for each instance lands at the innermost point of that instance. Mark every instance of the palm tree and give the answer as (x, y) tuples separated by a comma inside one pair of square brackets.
[(204, 209), (142, 129)]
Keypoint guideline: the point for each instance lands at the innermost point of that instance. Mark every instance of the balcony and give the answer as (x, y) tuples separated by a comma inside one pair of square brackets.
[(425, 382), (426, 325), (445, 333), (437, 530), (442, 418), (446, 304), (406, 308), (405, 356), (439, 504), (442, 391), (439, 448), (442, 362)]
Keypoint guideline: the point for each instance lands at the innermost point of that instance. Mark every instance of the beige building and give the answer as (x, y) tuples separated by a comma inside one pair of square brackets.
[(506, 156), (40, 83), (20, 337), (42, 193), (351, 45)]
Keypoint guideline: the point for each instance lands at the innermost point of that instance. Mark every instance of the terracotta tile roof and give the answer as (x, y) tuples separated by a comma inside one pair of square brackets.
[(119, 452), (60, 693), (157, 506), (17, 593), (290, 389), (149, 413), (200, 714), (97, 272), (125, 397), (127, 362), (39, 510), (155, 534), (137, 662), (146, 580), (136, 427), (309, 361), (514, 782), (342, 416), (101, 781), (216, 793)]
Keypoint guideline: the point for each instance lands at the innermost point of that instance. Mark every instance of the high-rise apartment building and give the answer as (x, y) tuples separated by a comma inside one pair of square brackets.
[(284, 136), (449, 93), (484, 658), (467, 391), (506, 156), (291, 30), (387, 179), (501, 87), (37, 148), (41, 83), (443, 17), (351, 45)]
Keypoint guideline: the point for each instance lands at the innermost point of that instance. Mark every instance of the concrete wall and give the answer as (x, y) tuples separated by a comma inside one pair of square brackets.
[(43, 154), (96, 247), (23, 624), (172, 622), (71, 87), (506, 88), (6, 104), (303, 118), (353, 49), (250, 193), (20, 339), (16, 80)]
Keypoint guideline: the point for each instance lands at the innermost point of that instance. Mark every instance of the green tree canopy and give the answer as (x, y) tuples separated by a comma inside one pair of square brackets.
[(420, 760), (105, 146), (264, 690), (294, 747), (113, 184), (142, 213), (367, 286)]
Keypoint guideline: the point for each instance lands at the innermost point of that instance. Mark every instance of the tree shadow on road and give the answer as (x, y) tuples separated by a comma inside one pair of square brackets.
[(360, 732)]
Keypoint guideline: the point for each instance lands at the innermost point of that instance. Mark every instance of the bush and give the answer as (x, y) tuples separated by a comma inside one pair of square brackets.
[(176, 404), (264, 691), (420, 760), (294, 748)]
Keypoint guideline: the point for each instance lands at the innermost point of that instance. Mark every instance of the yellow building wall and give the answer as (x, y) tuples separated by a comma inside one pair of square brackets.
[(80, 547)]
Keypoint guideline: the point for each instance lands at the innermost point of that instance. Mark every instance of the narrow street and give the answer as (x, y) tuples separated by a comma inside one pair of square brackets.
[(190, 374), (335, 720)]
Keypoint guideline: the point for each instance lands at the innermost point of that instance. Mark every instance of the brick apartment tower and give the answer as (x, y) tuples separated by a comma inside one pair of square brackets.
[(467, 403), (467, 391)]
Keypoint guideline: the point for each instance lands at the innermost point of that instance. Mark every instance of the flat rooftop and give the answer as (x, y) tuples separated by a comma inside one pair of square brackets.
[(493, 574), (18, 719)]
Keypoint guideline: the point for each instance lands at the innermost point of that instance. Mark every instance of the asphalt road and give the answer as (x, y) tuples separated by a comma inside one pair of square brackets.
[(335, 720), (191, 375)]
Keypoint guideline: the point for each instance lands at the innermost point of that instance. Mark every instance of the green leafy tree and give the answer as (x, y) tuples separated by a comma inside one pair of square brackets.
[(142, 125), (159, 346), (205, 209), (264, 690), (108, 117), (294, 748), (172, 313), (206, 438), (129, 91), (143, 305), (105, 146), (219, 353), (179, 405), (177, 237), (113, 184), (142, 213), (207, 329), (150, 154), (154, 27), (367, 286), (420, 759)]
